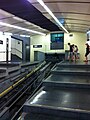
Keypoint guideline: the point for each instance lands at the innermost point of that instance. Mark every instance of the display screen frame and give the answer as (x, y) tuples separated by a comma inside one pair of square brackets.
[(56, 41)]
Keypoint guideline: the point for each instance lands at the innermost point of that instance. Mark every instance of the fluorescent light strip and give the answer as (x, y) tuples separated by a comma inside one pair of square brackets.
[(7, 33), (20, 28), (50, 12), (25, 35)]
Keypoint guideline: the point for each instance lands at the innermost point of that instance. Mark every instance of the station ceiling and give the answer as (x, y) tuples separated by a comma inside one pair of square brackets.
[(74, 15)]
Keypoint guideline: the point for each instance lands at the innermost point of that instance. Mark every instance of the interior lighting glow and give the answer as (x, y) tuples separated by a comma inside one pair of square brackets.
[(25, 35), (1, 33), (7, 33), (50, 13), (20, 28)]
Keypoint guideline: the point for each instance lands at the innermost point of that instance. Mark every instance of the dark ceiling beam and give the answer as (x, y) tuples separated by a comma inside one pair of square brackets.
[(16, 7)]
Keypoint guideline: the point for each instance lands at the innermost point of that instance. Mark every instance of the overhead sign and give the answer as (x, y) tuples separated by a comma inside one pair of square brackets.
[(37, 46)]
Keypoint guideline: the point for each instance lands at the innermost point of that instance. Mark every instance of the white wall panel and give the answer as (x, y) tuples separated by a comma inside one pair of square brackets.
[(3, 48)]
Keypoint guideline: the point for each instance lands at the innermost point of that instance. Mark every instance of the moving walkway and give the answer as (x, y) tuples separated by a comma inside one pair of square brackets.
[(65, 94)]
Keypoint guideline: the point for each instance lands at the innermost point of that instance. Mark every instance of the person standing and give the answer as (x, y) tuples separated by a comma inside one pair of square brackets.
[(87, 52), (71, 51), (76, 52)]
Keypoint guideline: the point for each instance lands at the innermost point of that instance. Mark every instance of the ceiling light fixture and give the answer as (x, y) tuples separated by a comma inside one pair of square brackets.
[(20, 28), (25, 35), (50, 13)]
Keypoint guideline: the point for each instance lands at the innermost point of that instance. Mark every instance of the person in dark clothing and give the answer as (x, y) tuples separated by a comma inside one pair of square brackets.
[(87, 52), (71, 51), (76, 52)]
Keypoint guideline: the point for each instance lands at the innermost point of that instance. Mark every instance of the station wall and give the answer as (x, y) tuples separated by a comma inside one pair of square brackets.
[(23, 47), (16, 47), (76, 38), (3, 39)]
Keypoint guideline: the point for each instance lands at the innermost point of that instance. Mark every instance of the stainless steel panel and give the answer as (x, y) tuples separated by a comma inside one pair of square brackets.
[(69, 102), (67, 81), (71, 70)]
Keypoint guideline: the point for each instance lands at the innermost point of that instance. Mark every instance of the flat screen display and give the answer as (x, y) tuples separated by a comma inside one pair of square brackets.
[(57, 41)]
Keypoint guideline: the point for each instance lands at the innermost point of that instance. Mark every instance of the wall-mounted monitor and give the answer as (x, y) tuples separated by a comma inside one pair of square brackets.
[(56, 41)]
